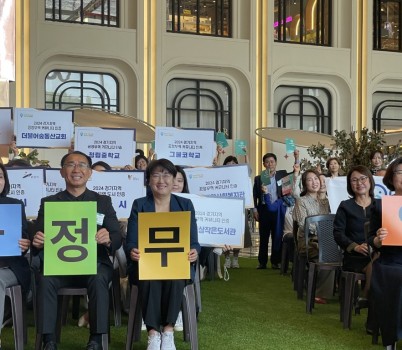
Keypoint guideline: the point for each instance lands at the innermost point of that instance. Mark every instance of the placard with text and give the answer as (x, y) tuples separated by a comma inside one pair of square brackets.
[(10, 229)]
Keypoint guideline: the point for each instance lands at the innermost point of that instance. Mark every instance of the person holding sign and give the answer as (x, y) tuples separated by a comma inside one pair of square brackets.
[(14, 269), (160, 299), (386, 279), (76, 170), (271, 178)]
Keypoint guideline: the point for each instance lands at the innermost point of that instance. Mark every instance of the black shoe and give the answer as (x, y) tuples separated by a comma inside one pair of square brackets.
[(50, 346), (261, 267), (275, 267), (93, 345)]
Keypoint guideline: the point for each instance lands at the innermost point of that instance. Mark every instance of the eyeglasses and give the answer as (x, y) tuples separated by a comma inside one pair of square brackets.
[(398, 172), (157, 176), (361, 179), (72, 165)]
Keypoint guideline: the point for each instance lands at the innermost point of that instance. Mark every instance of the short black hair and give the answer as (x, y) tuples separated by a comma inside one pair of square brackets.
[(183, 173), (364, 171), (269, 155), (162, 163), (19, 162), (6, 189), (373, 153), (389, 174), (89, 160), (139, 151), (304, 180), (103, 164), (229, 159), (137, 158)]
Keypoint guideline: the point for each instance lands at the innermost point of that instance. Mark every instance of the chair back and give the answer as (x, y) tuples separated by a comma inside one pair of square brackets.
[(328, 250)]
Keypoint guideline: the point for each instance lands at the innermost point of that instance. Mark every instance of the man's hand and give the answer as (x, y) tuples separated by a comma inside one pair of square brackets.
[(192, 255), (103, 237), (24, 244), (39, 240)]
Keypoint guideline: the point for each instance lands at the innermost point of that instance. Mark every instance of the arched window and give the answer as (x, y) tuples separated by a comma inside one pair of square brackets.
[(202, 17), (98, 12), (303, 21), (387, 15), (195, 103), (67, 89), (304, 108), (387, 110)]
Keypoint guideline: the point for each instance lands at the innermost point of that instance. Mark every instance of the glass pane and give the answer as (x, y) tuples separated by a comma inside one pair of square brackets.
[(208, 120), (189, 101), (188, 16), (208, 103), (309, 30), (390, 25), (292, 21), (293, 122), (188, 119), (309, 123)]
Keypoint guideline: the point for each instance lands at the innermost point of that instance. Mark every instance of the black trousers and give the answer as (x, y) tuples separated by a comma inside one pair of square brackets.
[(267, 226), (161, 302), (98, 298)]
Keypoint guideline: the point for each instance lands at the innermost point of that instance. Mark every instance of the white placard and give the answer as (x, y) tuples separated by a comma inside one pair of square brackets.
[(192, 147), (121, 185), (229, 181), (337, 191), (6, 129), (220, 221), (28, 185), (54, 182), (43, 128), (113, 146)]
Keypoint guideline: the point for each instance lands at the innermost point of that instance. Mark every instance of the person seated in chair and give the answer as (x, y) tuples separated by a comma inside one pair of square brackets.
[(76, 170)]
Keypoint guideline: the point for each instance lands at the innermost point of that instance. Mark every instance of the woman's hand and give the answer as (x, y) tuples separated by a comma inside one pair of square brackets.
[(193, 255), (380, 236), (24, 244), (39, 240), (135, 254), (226, 248), (362, 249)]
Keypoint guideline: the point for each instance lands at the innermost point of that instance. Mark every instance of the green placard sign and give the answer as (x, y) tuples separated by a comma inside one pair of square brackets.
[(70, 245), (265, 178)]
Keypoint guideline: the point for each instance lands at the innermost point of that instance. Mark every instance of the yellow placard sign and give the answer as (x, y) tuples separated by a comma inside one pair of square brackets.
[(164, 244)]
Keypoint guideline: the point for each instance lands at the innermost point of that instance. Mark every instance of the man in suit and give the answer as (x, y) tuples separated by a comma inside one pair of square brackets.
[(268, 219), (76, 170)]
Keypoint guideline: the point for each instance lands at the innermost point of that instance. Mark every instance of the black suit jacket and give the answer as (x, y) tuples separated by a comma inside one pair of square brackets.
[(104, 206), (257, 193), (18, 264)]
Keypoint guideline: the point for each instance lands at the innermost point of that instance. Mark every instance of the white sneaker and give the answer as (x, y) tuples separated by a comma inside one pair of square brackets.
[(168, 341), (154, 341), (178, 326), (227, 262), (143, 325), (235, 263)]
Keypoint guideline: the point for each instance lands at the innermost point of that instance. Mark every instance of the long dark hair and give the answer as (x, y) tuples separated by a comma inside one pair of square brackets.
[(6, 189), (182, 172)]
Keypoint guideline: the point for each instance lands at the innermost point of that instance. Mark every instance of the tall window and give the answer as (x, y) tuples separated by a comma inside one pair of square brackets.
[(387, 110), (199, 104), (303, 21), (304, 108), (98, 12), (203, 17), (66, 90), (387, 23)]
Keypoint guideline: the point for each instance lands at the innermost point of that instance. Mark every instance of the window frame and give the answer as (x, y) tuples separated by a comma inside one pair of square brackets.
[(380, 107)]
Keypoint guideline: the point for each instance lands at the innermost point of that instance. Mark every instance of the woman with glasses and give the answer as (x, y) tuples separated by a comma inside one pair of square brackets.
[(349, 222), (160, 299), (386, 281)]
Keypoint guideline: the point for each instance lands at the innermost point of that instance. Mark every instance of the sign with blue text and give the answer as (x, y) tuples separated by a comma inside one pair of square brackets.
[(191, 147), (43, 128), (113, 146), (229, 181), (10, 229)]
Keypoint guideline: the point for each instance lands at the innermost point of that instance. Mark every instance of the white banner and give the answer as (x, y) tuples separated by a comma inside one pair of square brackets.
[(220, 221), (43, 128), (113, 146), (6, 130), (192, 147), (337, 191), (122, 186), (230, 181), (28, 185)]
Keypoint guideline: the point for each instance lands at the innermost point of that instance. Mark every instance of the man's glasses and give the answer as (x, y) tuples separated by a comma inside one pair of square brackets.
[(72, 165)]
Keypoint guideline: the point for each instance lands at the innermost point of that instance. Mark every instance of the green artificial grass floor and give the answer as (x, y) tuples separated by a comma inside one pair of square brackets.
[(255, 309)]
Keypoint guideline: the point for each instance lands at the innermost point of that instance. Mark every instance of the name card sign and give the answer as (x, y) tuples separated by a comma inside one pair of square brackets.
[(43, 128), (113, 146), (220, 221), (192, 147), (28, 185), (10, 229), (164, 243), (229, 181), (70, 247)]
